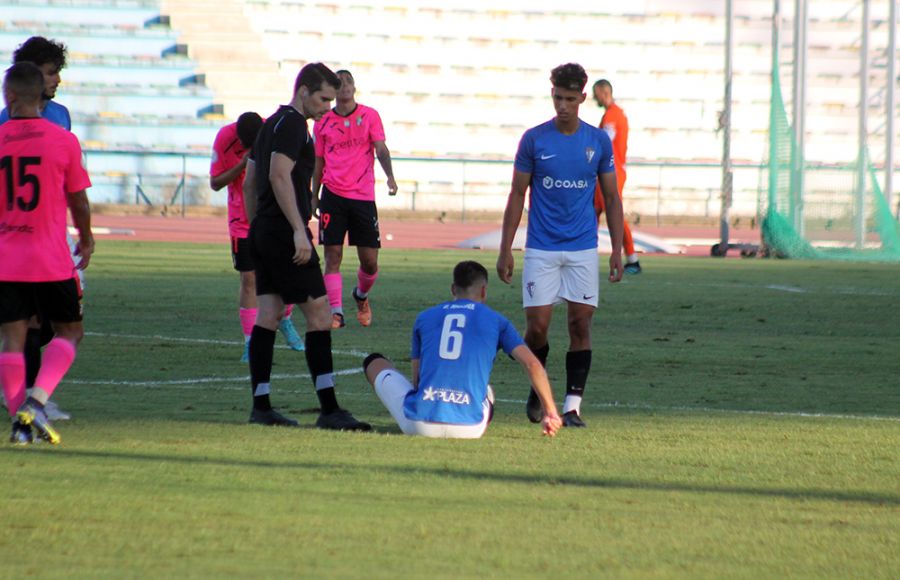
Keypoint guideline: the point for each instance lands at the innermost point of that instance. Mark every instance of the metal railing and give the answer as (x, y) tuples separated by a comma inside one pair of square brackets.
[(655, 190)]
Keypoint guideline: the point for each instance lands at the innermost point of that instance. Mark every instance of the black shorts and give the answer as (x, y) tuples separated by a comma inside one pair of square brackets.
[(240, 254), (53, 301), (271, 249), (356, 218)]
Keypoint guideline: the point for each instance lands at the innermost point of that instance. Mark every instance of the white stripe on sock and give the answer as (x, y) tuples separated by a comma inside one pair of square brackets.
[(325, 381), (262, 389)]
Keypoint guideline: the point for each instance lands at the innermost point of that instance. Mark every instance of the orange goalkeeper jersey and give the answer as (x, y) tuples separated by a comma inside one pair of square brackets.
[(615, 123)]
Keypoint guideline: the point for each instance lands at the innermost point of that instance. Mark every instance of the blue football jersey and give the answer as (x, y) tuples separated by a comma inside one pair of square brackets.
[(564, 170), (456, 343), (53, 112)]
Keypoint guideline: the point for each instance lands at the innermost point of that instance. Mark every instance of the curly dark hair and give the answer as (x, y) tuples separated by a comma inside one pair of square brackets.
[(40, 51), (569, 76)]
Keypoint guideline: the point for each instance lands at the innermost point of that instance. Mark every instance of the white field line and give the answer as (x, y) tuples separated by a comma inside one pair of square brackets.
[(201, 381), (844, 290), (241, 384), (642, 407), (239, 343)]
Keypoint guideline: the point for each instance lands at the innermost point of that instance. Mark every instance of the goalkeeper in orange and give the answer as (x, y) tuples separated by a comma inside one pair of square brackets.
[(615, 123)]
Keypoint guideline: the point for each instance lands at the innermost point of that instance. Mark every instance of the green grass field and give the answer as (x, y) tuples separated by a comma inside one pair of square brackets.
[(744, 421)]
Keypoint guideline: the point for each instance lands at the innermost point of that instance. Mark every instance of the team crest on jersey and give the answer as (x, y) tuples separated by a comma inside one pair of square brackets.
[(359, 121), (589, 153), (446, 396), (529, 287), (346, 123)]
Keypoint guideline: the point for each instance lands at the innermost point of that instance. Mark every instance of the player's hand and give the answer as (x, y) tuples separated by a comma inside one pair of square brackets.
[(615, 267), (551, 424), (84, 250), (392, 186), (505, 266), (302, 248)]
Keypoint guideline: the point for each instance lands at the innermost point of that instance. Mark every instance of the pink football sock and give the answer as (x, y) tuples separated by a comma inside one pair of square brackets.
[(334, 286), (364, 282), (12, 377), (248, 319), (57, 358), (288, 309)]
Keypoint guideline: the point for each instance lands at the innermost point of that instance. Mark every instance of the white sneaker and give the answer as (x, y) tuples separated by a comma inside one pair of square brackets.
[(54, 413)]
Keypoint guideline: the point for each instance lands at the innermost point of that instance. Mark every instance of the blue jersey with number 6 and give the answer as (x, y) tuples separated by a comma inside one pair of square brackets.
[(456, 343)]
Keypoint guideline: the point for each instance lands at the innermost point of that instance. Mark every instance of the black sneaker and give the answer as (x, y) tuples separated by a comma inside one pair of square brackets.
[(633, 268), (571, 419), (341, 420), (21, 434), (271, 417), (533, 407)]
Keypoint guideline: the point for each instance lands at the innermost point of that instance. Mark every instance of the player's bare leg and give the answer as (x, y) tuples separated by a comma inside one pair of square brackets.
[(538, 324), (334, 284), (578, 361), (365, 279)]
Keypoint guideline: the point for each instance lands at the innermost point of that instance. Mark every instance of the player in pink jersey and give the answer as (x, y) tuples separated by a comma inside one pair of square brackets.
[(229, 160), (348, 138), (40, 175)]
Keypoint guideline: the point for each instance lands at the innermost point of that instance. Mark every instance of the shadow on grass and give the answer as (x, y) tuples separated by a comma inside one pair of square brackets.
[(585, 482)]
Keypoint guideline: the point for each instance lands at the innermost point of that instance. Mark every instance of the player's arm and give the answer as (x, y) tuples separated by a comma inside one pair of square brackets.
[(250, 190), (512, 216), (80, 209), (541, 384), (318, 171), (384, 158), (415, 373), (615, 221), (217, 182), (280, 176)]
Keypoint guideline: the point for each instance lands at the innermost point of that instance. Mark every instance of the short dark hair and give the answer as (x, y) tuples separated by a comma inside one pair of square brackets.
[(344, 71), (603, 83), (25, 80), (40, 51), (569, 76), (314, 75), (468, 273), (248, 125)]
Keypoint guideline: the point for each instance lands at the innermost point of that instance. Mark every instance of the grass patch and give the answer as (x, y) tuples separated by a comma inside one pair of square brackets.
[(698, 459)]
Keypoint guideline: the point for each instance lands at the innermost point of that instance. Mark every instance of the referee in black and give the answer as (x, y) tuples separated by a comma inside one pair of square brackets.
[(277, 197)]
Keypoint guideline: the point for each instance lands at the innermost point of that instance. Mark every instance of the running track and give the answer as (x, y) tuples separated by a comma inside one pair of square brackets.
[(403, 234)]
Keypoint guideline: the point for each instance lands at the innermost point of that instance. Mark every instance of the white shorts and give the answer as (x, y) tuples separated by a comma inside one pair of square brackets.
[(392, 387), (551, 277)]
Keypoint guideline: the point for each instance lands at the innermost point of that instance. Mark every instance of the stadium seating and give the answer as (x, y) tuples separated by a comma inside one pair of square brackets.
[(461, 79), (136, 100)]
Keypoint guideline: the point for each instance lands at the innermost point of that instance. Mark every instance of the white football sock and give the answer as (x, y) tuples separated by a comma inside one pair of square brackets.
[(573, 403)]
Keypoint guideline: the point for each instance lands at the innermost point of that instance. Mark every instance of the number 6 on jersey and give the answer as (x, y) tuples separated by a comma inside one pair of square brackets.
[(451, 337)]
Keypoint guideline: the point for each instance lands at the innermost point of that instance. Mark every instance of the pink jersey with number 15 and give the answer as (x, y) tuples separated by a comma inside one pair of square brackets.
[(40, 164)]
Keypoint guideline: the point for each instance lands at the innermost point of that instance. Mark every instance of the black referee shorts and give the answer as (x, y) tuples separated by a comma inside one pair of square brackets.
[(271, 250)]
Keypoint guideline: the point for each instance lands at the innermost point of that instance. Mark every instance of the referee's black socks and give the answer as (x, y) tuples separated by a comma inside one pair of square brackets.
[(260, 350), (321, 367)]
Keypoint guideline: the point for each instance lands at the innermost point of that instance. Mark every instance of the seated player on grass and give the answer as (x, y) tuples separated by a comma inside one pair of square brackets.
[(453, 350)]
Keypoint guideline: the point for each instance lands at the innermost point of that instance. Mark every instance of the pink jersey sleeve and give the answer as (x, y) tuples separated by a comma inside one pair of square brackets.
[(376, 129), (222, 140), (77, 178), (318, 140)]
